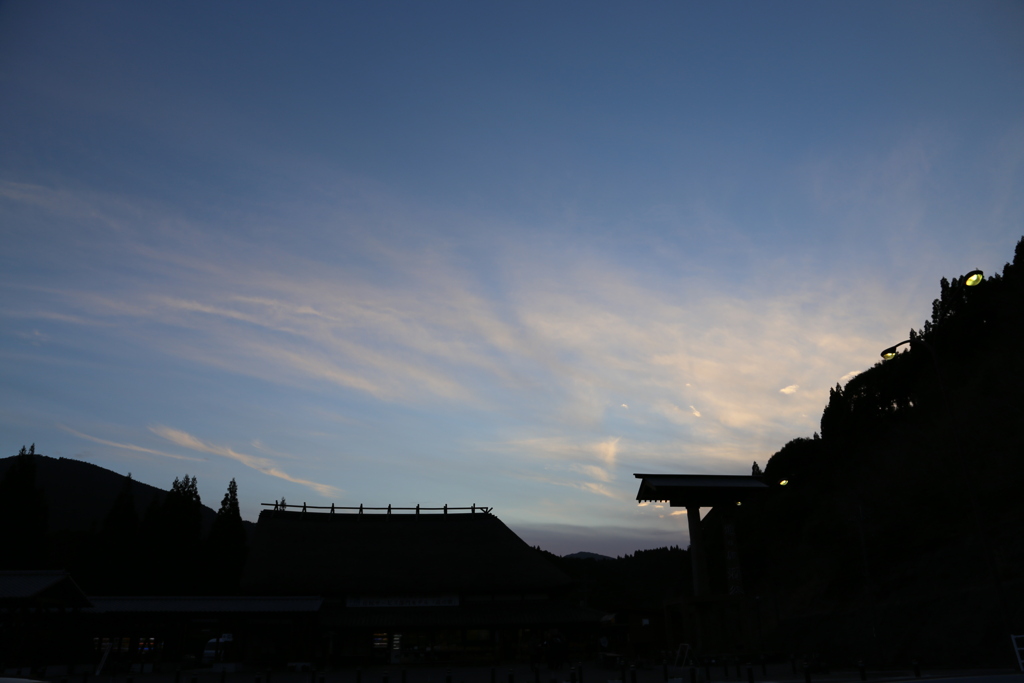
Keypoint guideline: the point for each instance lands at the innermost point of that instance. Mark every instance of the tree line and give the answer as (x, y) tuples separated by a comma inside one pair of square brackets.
[(161, 552), (903, 515)]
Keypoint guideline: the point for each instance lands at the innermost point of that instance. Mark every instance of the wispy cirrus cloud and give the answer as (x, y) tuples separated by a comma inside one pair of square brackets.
[(264, 465), (128, 446), (557, 346)]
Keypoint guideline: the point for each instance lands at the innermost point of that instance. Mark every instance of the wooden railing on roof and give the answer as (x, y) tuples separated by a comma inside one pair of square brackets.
[(332, 508)]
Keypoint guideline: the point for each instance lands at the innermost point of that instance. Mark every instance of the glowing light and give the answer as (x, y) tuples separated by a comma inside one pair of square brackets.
[(739, 502), (890, 352), (974, 278), (783, 482)]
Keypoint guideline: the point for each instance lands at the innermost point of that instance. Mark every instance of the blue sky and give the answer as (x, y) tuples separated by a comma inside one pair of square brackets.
[(495, 253)]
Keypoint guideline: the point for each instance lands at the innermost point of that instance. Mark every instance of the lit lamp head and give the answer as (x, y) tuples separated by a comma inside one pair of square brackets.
[(974, 278), (890, 352)]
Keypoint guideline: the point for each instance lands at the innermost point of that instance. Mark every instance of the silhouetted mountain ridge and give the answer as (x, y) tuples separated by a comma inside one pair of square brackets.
[(79, 494), (114, 534)]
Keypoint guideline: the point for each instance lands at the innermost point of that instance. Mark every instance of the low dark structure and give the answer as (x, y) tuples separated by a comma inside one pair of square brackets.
[(696, 491), (414, 585), (148, 633), (722, 623), (41, 617)]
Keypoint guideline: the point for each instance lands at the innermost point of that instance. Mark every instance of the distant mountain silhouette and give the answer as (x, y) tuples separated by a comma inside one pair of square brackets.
[(586, 556)]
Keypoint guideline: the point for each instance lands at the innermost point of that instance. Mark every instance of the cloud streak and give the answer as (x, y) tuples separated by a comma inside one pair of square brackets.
[(264, 465), (128, 446)]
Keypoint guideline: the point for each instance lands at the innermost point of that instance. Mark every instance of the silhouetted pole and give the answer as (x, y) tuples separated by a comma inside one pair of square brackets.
[(698, 555)]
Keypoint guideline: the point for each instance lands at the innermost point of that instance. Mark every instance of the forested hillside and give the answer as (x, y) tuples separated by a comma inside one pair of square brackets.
[(115, 535), (898, 534)]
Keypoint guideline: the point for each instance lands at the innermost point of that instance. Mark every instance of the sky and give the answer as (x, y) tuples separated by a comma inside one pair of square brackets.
[(503, 254)]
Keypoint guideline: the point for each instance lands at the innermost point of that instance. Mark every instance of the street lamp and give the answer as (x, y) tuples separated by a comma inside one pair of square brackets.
[(890, 352), (972, 279)]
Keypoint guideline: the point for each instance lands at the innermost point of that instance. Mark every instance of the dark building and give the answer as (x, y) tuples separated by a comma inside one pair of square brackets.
[(321, 588), (41, 617), (416, 585)]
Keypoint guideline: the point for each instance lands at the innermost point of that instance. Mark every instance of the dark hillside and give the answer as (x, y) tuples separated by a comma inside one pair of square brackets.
[(644, 580), (898, 535), (79, 494), (114, 534)]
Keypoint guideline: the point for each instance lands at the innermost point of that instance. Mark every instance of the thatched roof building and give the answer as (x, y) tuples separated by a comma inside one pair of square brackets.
[(407, 587), (351, 554)]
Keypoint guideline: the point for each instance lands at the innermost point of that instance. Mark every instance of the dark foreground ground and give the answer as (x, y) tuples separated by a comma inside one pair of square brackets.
[(589, 672)]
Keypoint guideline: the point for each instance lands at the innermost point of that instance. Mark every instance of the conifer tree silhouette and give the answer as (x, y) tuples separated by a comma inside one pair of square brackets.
[(226, 545)]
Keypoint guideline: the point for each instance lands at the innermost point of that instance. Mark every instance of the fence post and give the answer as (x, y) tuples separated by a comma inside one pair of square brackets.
[(579, 669), (385, 677), (750, 674), (511, 677), (632, 673), (359, 672), (693, 674), (403, 675)]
